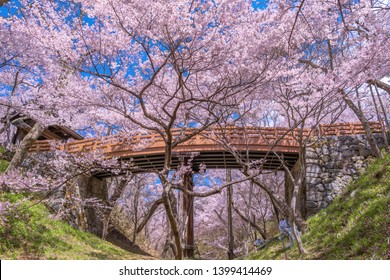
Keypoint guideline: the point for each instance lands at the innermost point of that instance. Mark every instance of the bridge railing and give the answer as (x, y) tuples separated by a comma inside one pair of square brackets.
[(347, 129), (281, 139)]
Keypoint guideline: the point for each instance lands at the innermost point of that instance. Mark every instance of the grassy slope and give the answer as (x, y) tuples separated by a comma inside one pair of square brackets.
[(3, 163), (355, 226), (32, 234)]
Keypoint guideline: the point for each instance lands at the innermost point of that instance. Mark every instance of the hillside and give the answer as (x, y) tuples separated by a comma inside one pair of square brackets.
[(3, 162), (354, 226), (34, 234)]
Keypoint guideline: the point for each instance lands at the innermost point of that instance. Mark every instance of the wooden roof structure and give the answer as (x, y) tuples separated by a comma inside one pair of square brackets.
[(54, 132)]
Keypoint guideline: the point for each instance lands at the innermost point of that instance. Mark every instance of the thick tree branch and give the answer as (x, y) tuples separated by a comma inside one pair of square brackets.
[(25, 145), (3, 2), (245, 219), (366, 125), (149, 214), (380, 85), (295, 21), (210, 193)]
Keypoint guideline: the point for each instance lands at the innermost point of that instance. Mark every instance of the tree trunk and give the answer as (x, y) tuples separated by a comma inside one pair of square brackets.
[(118, 190), (280, 203), (249, 222), (173, 223), (297, 182), (366, 125), (25, 145), (230, 216), (188, 211), (136, 197), (292, 220), (383, 110), (379, 116)]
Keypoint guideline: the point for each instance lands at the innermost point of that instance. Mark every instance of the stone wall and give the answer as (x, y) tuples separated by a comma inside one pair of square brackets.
[(68, 199), (92, 187), (331, 164)]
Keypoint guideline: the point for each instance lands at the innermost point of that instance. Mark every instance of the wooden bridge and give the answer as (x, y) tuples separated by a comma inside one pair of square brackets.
[(147, 150)]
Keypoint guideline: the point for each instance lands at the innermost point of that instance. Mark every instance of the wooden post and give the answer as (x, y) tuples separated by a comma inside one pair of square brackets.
[(230, 218)]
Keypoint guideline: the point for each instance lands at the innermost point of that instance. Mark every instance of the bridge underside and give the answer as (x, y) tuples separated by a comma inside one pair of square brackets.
[(212, 160), (146, 151)]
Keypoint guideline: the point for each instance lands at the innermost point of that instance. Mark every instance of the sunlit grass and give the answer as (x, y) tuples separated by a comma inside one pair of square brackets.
[(33, 234), (354, 226)]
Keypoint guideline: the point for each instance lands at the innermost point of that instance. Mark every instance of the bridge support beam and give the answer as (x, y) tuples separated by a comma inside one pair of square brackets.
[(188, 210)]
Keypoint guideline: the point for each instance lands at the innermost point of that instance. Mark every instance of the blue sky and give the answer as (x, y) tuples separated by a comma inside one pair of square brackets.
[(257, 4)]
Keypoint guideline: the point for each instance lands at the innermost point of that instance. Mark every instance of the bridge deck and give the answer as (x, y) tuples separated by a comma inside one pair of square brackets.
[(147, 150)]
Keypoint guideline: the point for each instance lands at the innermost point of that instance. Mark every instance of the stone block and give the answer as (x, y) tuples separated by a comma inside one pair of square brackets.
[(312, 204), (338, 158), (330, 165), (364, 152), (331, 187), (323, 204), (324, 175), (313, 168), (328, 186), (355, 141), (328, 199), (325, 150), (314, 195), (312, 161), (362, 146), (347, 154), (327, 181), (346, 179), (311, 155), (325, 158), (353, 147), (311, 186), (339, 164), (312, 180), (347, 171), (344, 148)]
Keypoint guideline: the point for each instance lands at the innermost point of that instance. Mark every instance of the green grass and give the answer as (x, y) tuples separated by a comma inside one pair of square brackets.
[(354, 226), (33, 234), (3, 163)]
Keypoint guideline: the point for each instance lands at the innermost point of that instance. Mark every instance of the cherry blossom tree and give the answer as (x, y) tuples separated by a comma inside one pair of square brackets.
[(178, 68), (335, 48)]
